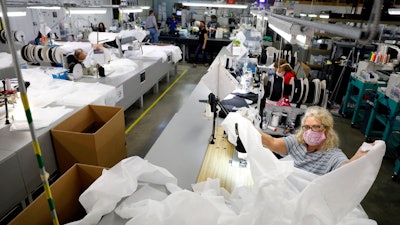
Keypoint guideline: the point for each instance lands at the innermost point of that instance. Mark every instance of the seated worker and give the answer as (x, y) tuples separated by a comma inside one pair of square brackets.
[(314, 147), (101, 27), (212, 26), (72, 59), (283, 69)]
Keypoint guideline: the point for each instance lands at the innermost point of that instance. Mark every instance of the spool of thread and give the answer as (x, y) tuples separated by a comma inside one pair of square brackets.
[(208, 112), (275, 119), (8, 84), (274, 129)]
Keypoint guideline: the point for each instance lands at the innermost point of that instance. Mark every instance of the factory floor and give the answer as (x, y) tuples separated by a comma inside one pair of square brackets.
[(144, 125)]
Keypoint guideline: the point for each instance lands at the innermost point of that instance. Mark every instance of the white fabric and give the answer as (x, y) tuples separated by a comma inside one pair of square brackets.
[(42, 117), (70, 47), (119, 182), (44, 91), (281, 193), (5, 59), (175, 51), (118, 67)]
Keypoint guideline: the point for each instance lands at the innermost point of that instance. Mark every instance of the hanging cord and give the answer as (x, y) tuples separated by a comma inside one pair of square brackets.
[(373, 23), (24, 98)]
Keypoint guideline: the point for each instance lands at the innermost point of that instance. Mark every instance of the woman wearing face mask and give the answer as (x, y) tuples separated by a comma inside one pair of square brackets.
[(314, 147), (283, 69)]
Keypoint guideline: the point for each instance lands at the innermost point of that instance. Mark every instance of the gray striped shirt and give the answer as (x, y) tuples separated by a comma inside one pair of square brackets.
[(317, 162)]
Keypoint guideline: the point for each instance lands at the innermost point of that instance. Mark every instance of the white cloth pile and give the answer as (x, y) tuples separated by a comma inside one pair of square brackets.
[(45, 91), (281, 193), (161, 52)]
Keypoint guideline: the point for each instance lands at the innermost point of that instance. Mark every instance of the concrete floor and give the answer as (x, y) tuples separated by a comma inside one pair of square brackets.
[(382, 203)]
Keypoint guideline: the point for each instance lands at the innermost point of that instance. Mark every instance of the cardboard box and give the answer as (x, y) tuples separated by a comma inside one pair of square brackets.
[(94, 135), (65, 191)]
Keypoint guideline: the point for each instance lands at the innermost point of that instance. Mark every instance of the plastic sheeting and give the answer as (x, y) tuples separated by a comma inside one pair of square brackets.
[(281, 193)]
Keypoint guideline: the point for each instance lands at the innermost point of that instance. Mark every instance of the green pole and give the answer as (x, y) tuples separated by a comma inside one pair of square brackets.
[(24, 98)]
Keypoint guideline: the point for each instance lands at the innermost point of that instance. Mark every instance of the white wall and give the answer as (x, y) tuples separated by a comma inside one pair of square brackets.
[(31, 22)]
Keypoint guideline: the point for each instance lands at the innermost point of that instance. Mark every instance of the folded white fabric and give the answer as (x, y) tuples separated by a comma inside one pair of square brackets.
[(42, 117), (175, 51)]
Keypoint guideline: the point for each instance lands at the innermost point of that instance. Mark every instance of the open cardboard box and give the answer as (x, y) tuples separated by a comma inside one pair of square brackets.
[(65, 191), (94, 135)]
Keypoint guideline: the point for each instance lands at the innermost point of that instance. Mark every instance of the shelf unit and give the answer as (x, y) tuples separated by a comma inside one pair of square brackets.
[(389, 120), (360, 87)]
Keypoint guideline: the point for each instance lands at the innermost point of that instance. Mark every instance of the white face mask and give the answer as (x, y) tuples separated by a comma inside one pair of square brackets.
[(281, 74), (313, 138)]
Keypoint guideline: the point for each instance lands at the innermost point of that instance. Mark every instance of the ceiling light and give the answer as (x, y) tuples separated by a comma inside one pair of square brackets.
[(215, 5), (342, 30), (303, 39), (14, 12), (145, 7), (324, 16), (86, 11), (131, 10), (288, 37), (312, 15), (44, 7), (394, 11)]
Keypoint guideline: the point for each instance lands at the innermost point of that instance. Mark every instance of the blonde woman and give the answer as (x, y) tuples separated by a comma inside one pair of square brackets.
[(314, 147)]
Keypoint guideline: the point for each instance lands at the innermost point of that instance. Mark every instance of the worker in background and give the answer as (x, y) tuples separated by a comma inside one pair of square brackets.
[(152, 27), (283, 69), (201, 44), (78, 57), (212, 26), (101, 27), (314, 147), (173, 23)]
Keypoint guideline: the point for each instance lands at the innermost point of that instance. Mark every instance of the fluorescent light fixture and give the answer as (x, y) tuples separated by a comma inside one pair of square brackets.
[(394, 11), (303, 14), (14, 12), (130, 10), (288, 37), (312, 15), (324, 16), (145, 7), (215, 5), (303, 39), (342, 30), (86, 11), (281, 24), (44, 7)]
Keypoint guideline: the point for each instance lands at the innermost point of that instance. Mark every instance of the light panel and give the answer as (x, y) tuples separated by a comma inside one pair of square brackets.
[(131, 10), (394, 11), (86, 11), (287, 36), (14, 14), (215, 5), (44, 7)]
